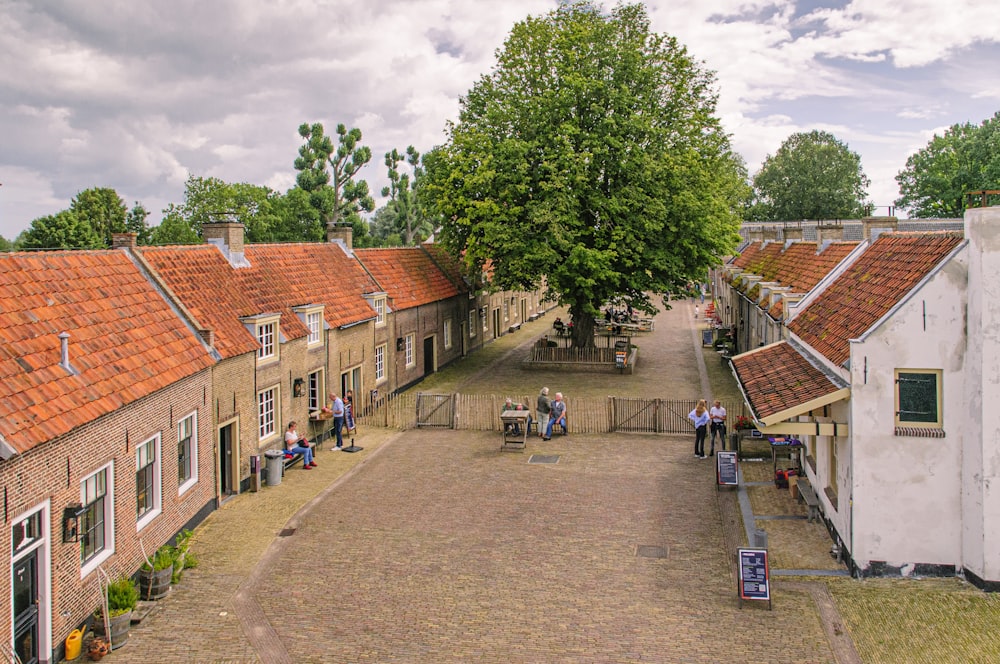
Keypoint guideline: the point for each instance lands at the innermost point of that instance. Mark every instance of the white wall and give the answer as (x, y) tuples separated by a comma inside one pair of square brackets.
[(907, 490)]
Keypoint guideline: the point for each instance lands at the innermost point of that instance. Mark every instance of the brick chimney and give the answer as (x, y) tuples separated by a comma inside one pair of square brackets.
[(878, 225), (228, 237), (123, 240), (342, 232)]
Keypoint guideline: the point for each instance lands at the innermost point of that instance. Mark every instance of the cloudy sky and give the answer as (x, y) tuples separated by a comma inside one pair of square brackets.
[(137, 95)]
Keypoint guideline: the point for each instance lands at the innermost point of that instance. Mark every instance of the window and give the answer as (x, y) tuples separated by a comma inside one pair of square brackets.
[(506, 310), (97, 540), (379, 363), (379, 304), (267, 408), (409, 350), (314, 321), (472, 323), (447, 333), (918, 398), (482, 317), (265, 337), (147, 481), (187, 453), (315, 385)]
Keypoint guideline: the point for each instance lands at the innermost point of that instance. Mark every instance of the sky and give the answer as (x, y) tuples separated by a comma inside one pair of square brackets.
[(137, 96)]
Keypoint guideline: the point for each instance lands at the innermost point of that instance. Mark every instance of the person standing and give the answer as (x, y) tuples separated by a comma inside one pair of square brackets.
[(718, 416), (337, 408), (349, 411), (699, 416), (557, 416), (296, 444), (542, 408)]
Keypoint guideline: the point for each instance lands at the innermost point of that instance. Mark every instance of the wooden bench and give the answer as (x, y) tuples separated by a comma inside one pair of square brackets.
[(810, 498), (514, 328)]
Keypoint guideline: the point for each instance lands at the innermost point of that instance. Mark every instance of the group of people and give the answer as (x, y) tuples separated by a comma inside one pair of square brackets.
[(342, 410), (704, 417), (550, 413)]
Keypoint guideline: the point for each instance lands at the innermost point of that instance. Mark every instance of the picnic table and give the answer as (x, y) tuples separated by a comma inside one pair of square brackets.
[(514, 430)]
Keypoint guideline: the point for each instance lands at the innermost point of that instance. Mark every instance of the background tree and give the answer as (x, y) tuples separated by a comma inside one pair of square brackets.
[(135, 222), (63, 230), (334, 192), (295, 219), (5, 244), (103, 209), (174, 228), (402, 193), (382, 228), (811, 176), (937, 177), (591, 157)]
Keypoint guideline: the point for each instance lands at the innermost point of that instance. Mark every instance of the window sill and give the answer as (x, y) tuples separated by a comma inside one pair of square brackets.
[(920, 432), (95, 562), (147, 518), (187, 486)]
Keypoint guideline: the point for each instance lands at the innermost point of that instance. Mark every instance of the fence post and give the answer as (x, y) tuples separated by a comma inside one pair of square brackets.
[(612, 415)]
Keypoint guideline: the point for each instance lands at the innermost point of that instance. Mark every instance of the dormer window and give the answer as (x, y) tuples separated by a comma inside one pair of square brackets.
[(266, 330), (379, 304), (312, 317)]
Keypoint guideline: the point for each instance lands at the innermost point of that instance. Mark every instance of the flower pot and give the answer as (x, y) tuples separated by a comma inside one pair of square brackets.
[(98, 649), (120, 626), (154, 585)]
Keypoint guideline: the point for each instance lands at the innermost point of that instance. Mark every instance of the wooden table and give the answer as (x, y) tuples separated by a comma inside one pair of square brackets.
[(509, 420)]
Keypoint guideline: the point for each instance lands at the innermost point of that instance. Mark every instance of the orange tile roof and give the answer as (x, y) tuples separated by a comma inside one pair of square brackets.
[(409, 276), (281, 276), (125, 341), (777, 377), (872, 285), (798, 267)]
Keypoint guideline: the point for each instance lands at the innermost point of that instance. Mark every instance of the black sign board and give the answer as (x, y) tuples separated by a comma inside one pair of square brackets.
[(726, 469), (706, 336), (754, 576)]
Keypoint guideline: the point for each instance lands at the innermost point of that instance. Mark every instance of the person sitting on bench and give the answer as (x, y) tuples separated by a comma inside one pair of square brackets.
[(296, 444)]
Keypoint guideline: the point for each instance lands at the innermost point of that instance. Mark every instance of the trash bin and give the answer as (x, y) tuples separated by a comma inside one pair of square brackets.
[(275, 466), (760, 538)]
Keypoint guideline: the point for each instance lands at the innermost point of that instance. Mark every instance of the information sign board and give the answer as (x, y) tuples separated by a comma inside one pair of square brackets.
[(726, 469), (754, 577)]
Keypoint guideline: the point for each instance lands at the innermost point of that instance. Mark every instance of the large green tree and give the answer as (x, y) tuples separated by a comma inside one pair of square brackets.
[(5, 244), (103, 209), (591, 158), (811, 176), (936, 179), (63, 230), (135, 222), (328, 174), (403, 205)]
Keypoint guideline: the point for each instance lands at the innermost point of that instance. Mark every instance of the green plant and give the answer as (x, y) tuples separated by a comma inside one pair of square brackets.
[(162, 559), (744, 422), (122, 596)]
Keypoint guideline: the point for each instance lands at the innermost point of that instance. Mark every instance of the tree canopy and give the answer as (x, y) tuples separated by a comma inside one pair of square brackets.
[(63, 230), (403, 209), (334, 193), (103, 209), (937, 177), (811, 176), (590, 157)]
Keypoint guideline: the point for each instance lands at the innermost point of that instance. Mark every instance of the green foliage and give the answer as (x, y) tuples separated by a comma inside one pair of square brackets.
[(811, 176), (122, 596), (135, 222), (174, 229), (63, 230), (162, 559), (334, 193), (405, 214), (103, 209), (591, 156), (937, 177), (5, 244)]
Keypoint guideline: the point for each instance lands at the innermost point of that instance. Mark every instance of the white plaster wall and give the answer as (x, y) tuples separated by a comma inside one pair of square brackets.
[(907, 491), (981, 462)]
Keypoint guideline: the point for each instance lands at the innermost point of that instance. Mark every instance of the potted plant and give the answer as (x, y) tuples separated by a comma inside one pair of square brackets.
[(98, 648), (121, 599), (154, 579), (183, 558), (744, 424)]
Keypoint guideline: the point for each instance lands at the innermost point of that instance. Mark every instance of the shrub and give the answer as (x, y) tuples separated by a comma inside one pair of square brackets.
[(162, 559), (122, 596)]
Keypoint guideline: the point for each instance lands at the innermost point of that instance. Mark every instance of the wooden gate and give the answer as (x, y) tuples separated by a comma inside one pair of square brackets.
[(435, 410)]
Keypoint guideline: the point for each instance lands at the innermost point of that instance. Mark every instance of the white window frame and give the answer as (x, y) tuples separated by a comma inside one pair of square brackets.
[(447, 333), (408, 350), (379, 363), (144, 449), (192, 452), (86, 567), (314, 390), (379, 305), (267, 417), (485, 316), (314, 323), (267, 339), (472, 323), (506, 311)]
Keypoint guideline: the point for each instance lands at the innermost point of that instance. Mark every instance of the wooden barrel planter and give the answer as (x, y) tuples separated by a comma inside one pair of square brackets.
[(154, 585), (120, 627)]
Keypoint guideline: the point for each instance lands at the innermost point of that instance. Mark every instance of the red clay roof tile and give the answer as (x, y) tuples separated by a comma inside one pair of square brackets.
[(409, 275), (777, 377)]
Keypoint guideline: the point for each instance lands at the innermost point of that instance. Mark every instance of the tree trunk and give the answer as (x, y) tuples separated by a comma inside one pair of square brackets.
[(583, 329)]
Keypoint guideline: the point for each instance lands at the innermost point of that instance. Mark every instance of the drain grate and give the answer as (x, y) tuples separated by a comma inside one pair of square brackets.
[(650, 551), (286, 532), (544, 458)]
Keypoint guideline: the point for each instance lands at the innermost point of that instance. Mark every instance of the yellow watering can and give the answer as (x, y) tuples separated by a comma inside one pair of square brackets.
[(73, 643)]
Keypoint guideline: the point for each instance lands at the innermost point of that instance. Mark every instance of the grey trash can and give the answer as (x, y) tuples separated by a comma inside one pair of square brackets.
[(275, 466), (760, 538)]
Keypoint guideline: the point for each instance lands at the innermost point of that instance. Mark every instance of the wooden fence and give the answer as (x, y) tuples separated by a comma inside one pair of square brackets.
[(481, 412)]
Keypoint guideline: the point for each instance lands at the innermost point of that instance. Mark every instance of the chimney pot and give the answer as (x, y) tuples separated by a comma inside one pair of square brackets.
[(342, 232), (64, 348)]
